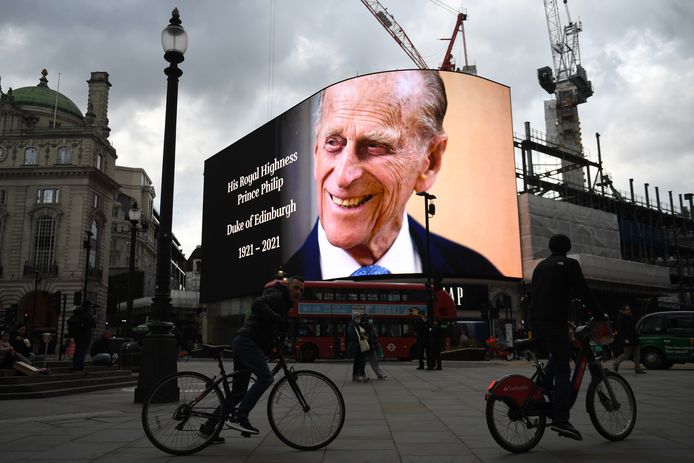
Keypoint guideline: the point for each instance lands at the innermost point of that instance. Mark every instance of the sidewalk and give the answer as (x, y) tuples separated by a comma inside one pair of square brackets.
[(413, 416)]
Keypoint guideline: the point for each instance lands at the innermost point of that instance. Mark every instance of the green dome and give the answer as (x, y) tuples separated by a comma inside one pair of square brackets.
[(45, 97)]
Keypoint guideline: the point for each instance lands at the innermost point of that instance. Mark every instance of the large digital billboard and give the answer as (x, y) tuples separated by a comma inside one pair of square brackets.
[(327, 189)]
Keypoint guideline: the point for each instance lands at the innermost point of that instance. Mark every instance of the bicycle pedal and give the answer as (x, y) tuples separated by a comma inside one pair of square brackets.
[(246, 434)]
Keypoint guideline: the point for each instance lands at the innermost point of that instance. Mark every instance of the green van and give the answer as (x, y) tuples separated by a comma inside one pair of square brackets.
[(666, 338)]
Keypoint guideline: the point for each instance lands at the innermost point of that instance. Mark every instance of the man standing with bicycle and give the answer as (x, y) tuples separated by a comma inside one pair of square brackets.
[(251, 345), (556, 280)]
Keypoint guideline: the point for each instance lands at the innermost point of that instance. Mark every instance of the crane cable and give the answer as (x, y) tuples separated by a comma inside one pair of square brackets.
[(271, 57)]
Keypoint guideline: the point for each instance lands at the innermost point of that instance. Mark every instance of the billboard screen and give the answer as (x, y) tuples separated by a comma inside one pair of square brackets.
[(327, 189)]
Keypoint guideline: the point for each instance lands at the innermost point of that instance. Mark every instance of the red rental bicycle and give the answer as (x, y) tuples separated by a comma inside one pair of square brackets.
[(518, 407)]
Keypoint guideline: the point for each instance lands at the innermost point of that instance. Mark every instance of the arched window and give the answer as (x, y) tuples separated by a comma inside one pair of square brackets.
[(44, 244), (64, 155), (31, 156)]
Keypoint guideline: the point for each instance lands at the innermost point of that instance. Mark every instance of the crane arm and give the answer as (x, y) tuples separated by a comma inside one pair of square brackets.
[(393, 28)]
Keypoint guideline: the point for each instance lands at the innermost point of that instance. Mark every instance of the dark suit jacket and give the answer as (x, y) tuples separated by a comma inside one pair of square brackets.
[(447, 258)]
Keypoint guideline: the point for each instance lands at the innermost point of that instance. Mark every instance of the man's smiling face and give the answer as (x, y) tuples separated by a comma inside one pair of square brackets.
[(368, 161)]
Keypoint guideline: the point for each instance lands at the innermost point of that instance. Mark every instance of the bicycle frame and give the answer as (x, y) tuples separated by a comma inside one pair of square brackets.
[(528, 397), (224, 379)]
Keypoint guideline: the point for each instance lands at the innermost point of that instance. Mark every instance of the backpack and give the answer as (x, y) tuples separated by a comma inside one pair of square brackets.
[(76, 324)]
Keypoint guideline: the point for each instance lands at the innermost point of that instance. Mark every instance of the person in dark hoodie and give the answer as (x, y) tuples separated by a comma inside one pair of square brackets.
[(251, 345), (556, 281)]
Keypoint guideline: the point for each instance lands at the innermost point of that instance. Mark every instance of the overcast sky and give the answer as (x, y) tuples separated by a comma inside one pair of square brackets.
[(639, 56)]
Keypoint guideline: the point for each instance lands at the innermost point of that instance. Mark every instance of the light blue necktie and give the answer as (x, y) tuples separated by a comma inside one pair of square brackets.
[(370, 270)]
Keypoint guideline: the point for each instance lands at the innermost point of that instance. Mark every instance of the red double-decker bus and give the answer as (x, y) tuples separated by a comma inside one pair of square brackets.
[(318, 323)]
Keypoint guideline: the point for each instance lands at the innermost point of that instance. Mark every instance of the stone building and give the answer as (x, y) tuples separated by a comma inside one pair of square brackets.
[(57, 187)]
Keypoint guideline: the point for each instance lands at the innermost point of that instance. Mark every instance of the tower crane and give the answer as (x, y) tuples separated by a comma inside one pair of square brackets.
[(570, 86), (393, 28), (448, 64)]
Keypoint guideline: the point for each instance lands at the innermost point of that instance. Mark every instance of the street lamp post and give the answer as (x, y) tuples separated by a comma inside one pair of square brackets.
[(159, 347), (88, 247), (429, 211), (134, 215)]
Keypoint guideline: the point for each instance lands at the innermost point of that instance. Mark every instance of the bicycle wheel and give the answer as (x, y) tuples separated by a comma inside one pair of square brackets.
[(512, 429), (614, 421), (175, 410), (307, 428)]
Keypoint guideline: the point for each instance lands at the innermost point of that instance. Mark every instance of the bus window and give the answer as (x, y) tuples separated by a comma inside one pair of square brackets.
[(372, 296), (327, 295), (389, 328), (383, 296), (352, 296), (408, 328)]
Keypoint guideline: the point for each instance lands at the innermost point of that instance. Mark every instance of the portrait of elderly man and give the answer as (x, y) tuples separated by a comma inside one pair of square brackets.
[(378, 140)]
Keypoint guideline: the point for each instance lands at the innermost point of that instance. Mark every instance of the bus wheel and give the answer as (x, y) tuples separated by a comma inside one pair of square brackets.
[(309, 353)]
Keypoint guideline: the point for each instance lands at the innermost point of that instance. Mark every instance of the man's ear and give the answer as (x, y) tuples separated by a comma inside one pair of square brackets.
[(432, 165)]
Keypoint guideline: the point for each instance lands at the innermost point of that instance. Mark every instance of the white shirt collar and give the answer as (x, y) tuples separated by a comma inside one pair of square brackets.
[(402, 257)]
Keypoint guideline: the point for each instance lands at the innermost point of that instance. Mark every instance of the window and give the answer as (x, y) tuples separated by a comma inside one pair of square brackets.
[(44, 244), (64, 155), (93, 245), (99, 161), (97, 201), (680, 324), (47, 196), (3, 197), (53, 125), (652, 325), (31, 156)]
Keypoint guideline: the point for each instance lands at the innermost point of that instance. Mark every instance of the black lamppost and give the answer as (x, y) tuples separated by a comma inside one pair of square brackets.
[(134, 215), (159, 347), (429, 211), (88, 246)]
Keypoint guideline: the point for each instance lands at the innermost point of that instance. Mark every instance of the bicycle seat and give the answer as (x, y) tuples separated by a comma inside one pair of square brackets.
[(524, 344), (215, 349)]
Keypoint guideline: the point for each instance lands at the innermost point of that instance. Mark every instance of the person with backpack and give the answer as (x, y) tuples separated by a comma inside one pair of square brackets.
[(79, 328)]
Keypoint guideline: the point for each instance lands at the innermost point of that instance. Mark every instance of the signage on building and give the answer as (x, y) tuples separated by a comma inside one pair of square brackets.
[(310, 188)]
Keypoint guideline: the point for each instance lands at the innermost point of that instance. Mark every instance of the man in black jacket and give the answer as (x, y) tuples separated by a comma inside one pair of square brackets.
[(254, 341), (626, 333), (556, 280)]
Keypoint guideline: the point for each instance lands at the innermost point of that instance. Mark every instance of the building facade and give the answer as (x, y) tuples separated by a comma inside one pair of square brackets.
[(57, 188)]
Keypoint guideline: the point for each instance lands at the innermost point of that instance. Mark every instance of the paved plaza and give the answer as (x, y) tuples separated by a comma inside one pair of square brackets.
[(412, 416)]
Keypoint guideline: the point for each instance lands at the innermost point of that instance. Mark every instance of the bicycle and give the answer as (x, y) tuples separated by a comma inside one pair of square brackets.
[(518, 407), (305, 408)]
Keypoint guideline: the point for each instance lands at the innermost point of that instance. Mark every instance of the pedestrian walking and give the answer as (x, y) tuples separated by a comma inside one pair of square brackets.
[(434, 346), (421, 330), (79, 328), (629, 339), (355, 334), (372, 355)]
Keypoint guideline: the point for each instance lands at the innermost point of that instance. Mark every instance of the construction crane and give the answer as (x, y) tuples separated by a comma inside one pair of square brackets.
[(391, 25), (570, 86), (448, 64)]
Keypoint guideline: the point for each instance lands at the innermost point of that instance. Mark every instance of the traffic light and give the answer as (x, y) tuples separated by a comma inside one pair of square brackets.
[(54, 301), (77, 298)]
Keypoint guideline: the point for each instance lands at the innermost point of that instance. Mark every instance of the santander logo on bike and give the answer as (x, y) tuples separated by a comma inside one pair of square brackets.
[(516, 388)]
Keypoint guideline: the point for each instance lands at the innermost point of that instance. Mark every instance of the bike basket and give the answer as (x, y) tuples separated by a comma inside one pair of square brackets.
[(602, 333)]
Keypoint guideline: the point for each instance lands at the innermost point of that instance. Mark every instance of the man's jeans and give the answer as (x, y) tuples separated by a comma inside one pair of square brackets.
[(248, 356), (559, 372)]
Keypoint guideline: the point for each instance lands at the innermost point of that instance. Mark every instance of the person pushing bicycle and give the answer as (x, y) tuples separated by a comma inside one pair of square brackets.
[(251, 345), (556, 280)]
